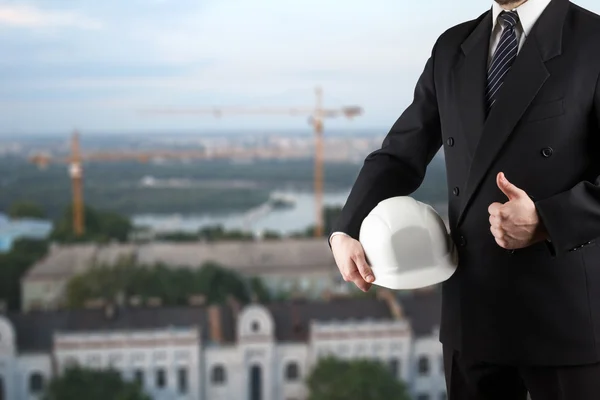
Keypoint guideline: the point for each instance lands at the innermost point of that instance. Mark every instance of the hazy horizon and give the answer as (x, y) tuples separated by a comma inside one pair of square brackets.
[(92, 65)]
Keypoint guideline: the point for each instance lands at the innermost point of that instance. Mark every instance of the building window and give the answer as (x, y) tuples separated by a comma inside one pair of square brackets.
[(423, 396), (114, 359), (343, 349), (377, 347), (423, 365), (321, 352), (361, 349), (292, 372), (443, 396), (182, 380), (394, 366), (161, 378), (138, 376), (70, 362), (256, 388), (255, 326), (94, 361), (304, 284), (36, 383), (218, 376)]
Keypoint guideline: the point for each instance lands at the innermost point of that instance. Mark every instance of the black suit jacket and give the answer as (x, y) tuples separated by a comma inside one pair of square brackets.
[(539, 305)]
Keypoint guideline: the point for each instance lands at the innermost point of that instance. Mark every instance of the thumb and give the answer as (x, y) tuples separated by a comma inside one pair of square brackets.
[(510, 190), (363, 267)]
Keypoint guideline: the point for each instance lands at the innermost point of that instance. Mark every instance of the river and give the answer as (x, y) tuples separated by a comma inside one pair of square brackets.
[(284, 221)]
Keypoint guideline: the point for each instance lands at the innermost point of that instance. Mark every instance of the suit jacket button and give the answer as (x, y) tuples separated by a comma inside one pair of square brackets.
[(547, 152), (462, 242), (455, 191), (450, 141)]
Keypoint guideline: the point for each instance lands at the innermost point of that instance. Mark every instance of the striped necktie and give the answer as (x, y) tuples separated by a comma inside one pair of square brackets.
[(504, 56)]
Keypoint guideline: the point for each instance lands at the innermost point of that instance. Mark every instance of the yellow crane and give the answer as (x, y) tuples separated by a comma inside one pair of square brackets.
[(317, 116), (76, 158)]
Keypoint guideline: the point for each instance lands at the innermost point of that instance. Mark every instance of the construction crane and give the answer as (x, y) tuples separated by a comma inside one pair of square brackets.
[(317, 116), (76, 158)]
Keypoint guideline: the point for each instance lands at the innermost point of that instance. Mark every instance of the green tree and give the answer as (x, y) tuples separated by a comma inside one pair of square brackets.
[(271, 235), (173, 285), (100, 226), (26, 209), (218, 233), (77, 383), (258, 288), (219, 283), (334, 379), (14, 264), (214, 233), (178, 237)]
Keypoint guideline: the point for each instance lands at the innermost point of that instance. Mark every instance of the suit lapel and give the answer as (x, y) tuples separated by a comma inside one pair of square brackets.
[(520, 87), (470, 80)]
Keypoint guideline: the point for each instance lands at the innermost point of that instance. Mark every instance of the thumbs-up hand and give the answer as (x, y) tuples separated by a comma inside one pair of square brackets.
[(515, 224)]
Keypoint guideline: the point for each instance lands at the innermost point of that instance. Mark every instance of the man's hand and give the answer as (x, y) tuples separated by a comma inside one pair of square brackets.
[(515, 224), (350, 258)]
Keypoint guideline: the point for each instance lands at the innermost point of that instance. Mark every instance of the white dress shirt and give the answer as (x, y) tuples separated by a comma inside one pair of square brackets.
[(529, 12)]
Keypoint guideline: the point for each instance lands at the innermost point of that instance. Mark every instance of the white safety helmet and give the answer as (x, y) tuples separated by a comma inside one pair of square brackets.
[(407, 244)]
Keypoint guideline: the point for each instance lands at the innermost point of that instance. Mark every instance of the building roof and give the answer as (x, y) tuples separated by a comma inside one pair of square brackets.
[(292, 319), (63, 261), (35, 330), (245, 256), (261, 257), (423, 309)]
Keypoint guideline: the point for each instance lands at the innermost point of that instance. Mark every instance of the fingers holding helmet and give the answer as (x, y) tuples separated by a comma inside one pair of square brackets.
[(351, 261), (362, 265)]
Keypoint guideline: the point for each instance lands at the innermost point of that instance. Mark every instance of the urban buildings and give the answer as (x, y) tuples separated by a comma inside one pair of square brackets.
[(254, 352)]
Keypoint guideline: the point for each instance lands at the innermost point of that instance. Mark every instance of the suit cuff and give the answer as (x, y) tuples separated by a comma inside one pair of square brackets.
[(557, 243), (335, 234)]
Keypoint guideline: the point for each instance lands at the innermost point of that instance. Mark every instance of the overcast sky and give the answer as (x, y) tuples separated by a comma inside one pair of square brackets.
[(91, 64)]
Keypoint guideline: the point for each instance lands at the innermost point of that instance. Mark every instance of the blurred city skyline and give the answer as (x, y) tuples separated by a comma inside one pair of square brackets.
[(91, 65)]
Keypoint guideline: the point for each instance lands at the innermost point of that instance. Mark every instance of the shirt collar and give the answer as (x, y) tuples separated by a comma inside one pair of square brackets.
[(529, 12)]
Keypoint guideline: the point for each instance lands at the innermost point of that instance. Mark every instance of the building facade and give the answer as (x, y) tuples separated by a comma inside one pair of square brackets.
[(256, 352)]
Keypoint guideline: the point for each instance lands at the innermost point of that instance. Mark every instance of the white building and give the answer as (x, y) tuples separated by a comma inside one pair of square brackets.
[(258, 352)]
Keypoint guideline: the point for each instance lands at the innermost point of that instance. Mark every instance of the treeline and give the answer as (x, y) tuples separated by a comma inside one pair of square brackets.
[(100, 227), (126, 280), (358, 379), (77, 383), (13, 266), (116, 187), (329, 379)]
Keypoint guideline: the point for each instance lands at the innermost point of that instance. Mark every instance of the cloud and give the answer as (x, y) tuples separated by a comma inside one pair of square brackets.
[(26, 16)]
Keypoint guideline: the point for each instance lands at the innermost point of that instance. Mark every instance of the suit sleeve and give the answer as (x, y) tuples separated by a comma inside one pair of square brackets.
[(398, 167), (572, 218)]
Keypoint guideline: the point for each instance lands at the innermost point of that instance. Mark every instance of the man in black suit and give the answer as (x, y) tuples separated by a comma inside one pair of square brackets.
[(514, 99)]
